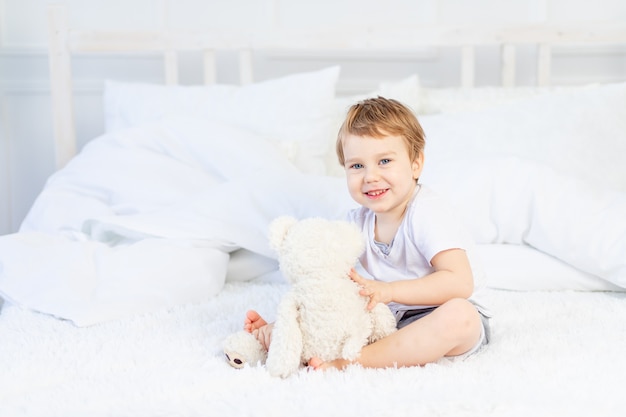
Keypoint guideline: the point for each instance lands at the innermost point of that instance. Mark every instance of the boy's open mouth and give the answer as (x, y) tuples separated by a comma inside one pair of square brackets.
[(376, 193)]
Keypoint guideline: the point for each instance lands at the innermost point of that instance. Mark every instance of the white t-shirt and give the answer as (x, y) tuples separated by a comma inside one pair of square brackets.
[(429, 227)]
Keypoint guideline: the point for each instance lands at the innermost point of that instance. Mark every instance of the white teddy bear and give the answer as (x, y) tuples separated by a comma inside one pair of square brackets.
[(322, 315)]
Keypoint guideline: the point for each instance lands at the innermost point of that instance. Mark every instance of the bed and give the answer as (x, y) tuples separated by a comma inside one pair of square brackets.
[(146, 247)]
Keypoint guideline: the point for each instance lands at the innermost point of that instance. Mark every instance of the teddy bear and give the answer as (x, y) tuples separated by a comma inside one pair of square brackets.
[(322, 314)]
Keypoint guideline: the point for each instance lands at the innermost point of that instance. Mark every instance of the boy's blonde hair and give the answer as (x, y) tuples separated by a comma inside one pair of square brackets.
[(379, 117)]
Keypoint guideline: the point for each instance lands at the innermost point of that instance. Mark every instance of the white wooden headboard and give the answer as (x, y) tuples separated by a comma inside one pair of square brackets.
[(65, 41)]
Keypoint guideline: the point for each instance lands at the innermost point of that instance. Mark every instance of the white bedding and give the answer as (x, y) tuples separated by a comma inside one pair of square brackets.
[(144, 239), (552, 354), (176, 196), (146, 218), (156, 229)]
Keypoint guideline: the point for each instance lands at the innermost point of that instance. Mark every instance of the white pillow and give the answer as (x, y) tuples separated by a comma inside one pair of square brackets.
[(510, 200), (245, 265), (522, 268), (295, 111), (581, 134), (460, 99)]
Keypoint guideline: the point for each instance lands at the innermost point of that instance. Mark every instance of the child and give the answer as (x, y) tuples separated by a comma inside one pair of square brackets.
[(416, 247)]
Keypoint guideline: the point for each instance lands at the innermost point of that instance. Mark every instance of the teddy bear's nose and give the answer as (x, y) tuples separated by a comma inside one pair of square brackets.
[(238, 361)]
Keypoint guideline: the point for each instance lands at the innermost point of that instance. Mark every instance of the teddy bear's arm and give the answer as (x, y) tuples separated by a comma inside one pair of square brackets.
[(285, 351), (383, 322), (242, 348)]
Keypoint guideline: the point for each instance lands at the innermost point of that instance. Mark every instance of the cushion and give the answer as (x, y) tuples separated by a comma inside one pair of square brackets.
[(295, 111)]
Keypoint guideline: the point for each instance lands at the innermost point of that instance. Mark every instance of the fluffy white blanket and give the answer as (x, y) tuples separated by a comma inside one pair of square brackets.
[(552, 354)]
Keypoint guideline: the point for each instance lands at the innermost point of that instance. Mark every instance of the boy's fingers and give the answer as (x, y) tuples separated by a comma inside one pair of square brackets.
[(354, 276)]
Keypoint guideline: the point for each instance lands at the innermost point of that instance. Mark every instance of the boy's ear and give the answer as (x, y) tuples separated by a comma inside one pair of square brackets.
[(418, 165)]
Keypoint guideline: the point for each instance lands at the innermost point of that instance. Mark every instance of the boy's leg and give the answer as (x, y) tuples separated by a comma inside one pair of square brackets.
[(452, 329)]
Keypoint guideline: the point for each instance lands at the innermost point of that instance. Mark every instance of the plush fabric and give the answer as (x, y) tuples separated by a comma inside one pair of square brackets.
[(322, 315), (294, 111), (551, 354)]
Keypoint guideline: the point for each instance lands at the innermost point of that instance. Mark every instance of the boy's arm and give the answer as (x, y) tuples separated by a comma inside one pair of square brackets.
[(452, 278)]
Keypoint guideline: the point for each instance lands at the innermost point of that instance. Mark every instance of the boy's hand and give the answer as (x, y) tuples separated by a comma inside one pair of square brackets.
[(377, 291)]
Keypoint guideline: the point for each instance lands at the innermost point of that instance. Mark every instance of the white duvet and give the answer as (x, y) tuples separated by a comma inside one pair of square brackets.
[(161, 215), (148, 218)]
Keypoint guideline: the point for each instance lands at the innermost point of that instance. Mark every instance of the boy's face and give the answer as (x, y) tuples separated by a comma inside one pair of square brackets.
[(380, 174)]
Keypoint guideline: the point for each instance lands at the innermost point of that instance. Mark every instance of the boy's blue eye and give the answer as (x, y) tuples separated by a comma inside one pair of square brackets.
[(356, 166), (385, 161)]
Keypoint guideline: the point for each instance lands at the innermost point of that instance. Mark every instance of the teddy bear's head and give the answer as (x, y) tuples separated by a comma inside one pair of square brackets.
[(315, 247)]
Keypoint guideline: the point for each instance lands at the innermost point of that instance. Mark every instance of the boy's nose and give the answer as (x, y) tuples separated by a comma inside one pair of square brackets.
[(371, 175)]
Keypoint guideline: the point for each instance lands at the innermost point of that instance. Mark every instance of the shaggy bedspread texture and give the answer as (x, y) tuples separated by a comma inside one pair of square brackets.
[(552, 354)]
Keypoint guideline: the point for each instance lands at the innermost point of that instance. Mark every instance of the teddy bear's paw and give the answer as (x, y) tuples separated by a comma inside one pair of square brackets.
[(235, 359), (243, 348)]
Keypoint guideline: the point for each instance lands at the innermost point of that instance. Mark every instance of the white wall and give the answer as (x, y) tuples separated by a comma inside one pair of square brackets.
[(26, 152)]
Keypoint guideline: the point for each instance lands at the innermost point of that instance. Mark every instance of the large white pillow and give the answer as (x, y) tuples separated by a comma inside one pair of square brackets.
[(460, 99), (515, 201), (296, 112), (580, 134)]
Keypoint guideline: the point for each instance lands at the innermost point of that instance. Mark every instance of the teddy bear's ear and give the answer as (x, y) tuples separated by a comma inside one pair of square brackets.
[(278, 230)]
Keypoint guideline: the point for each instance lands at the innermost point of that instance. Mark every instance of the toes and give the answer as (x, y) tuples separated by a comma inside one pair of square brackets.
[(252, 316), (315, 363), (253, 320)]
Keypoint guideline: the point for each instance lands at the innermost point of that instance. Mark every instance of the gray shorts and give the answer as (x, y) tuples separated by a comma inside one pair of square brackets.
[(409, 316)]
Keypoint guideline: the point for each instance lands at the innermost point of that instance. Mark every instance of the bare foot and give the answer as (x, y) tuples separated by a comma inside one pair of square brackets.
[(319, 365), (259, 328), (253, 321)]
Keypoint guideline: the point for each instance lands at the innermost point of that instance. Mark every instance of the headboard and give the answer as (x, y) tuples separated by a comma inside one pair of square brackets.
[(65, 41)]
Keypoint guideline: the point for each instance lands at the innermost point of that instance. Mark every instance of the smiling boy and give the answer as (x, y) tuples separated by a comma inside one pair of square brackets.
[(416, 247)]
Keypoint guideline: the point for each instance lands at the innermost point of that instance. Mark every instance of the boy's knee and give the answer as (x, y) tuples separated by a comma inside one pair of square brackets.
[(461, 315)]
